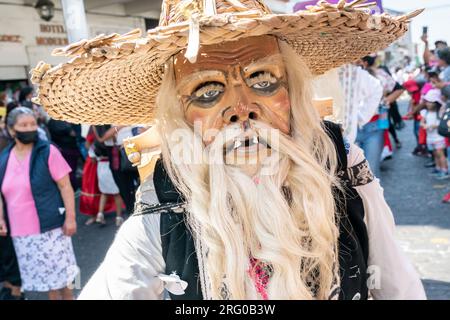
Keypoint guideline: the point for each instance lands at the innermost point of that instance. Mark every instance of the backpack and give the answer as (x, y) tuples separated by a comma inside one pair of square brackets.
[(444, 124)]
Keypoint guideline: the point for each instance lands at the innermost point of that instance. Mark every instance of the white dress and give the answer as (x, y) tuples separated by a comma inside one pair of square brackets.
[(106, 182), (46, 261)]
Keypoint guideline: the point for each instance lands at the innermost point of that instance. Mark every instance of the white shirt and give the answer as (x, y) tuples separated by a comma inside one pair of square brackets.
[(362, 96), (134, 266), (432, 119)]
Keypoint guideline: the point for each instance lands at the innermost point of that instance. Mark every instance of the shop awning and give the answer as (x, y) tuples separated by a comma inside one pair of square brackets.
[(13, 73)]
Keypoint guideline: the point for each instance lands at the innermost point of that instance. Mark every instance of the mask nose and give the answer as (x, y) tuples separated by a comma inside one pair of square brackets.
[(242, 110), (236, 116)]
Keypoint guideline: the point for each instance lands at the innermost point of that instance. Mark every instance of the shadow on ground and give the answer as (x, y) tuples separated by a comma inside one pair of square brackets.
[(437, 290)]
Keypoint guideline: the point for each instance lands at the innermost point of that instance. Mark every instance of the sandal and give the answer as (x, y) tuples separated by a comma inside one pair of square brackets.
[(100, 218), (119, 221)]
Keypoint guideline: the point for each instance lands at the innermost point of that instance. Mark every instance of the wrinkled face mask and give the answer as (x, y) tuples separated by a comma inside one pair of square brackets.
[(236, 83), (25, 129), (27, 137)]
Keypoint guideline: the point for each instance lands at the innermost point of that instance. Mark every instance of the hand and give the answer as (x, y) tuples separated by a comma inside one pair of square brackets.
[(134, 157), (440, 85), (3, 228), (387, 102), (409, 115), (424, 38), (70, 227)]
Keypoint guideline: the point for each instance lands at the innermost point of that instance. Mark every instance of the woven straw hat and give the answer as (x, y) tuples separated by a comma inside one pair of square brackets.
[(115, 78)]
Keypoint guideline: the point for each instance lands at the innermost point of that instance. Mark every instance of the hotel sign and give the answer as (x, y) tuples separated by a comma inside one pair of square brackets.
[(52, 40)]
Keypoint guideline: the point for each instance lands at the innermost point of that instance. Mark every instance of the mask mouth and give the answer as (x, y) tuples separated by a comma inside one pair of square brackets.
[(246, 143)]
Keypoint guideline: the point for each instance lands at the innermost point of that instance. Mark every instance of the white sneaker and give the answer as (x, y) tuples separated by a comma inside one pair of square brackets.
[(100, 218), (119, 221)]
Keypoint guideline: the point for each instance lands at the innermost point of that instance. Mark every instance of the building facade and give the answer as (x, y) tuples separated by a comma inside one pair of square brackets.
[(395, 55), (26, 39)]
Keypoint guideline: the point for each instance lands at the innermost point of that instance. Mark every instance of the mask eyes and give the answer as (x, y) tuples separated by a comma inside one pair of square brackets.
[(262, 85), (263, 82), (207, 93)]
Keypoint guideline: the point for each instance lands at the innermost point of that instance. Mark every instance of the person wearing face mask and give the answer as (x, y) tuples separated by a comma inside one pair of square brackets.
[(258, 197), (37, 208), (25, 97)]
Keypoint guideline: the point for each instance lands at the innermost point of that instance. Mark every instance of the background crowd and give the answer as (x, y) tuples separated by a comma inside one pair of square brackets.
[(370, 115)]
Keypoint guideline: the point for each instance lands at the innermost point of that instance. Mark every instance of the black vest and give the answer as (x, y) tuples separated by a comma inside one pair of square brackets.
[(178, 245)]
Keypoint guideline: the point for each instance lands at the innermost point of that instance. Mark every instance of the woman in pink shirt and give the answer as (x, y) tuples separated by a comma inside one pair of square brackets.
[(38, 208)]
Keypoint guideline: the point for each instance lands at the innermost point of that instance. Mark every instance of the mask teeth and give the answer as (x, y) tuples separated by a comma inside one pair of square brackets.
[(255, 140), (237, 144)]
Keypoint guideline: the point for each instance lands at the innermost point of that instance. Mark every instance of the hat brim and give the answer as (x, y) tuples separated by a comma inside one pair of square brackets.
[(117, 82)]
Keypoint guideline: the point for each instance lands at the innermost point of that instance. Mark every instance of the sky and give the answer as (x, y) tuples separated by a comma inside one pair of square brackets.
[(436, 16)]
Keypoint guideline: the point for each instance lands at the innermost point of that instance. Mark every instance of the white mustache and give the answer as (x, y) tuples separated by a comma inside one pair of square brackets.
[(234, 136)]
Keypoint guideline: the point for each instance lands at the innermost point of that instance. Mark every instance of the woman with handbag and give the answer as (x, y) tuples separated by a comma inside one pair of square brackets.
[(90, 192)]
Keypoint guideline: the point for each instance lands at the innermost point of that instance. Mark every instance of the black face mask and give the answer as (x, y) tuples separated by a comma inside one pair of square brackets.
[(27, 137)]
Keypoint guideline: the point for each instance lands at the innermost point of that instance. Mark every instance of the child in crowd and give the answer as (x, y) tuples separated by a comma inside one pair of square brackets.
[(435, 142)]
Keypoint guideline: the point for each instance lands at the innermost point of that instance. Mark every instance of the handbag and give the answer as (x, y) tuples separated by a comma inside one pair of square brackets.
[(383, 117), (444, 124)]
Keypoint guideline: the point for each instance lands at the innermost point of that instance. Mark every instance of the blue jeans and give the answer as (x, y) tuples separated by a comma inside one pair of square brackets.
[(370, 138)]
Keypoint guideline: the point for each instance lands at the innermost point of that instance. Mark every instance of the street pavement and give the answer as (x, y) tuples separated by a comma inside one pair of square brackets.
[(423, 222)]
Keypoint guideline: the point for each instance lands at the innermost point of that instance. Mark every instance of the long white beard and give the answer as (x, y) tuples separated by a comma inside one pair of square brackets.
[(277, 218)]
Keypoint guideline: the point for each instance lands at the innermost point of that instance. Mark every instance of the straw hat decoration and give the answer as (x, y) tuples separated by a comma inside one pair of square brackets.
[(115, 78)]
